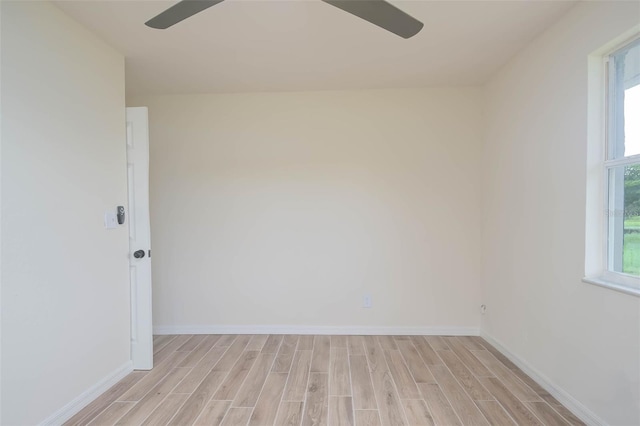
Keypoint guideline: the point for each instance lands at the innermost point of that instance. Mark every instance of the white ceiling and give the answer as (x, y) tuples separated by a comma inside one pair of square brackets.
[(276, 45)]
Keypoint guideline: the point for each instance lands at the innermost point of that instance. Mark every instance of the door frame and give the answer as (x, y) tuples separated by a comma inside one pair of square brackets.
[(140, 280)]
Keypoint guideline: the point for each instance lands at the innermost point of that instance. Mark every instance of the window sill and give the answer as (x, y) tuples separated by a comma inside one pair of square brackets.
[(613, 286)]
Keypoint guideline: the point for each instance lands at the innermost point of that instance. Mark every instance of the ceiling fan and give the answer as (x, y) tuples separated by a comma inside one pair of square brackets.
[(378, 12)]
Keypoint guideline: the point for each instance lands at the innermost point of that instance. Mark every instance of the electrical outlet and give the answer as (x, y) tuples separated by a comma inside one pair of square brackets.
[(483, 309), (366, 301)]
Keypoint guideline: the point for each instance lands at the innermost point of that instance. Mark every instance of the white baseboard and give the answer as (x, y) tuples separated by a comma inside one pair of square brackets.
[(73, 407), (335, 330), (572, 404)]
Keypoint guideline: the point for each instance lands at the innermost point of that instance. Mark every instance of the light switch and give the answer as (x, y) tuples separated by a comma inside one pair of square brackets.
[(110, 220)]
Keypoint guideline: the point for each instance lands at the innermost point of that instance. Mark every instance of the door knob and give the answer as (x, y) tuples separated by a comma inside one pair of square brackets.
[(138, 254)]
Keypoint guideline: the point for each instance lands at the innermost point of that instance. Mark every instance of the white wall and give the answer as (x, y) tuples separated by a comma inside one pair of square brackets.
[(65, 299), (285, 209), (583, 338)]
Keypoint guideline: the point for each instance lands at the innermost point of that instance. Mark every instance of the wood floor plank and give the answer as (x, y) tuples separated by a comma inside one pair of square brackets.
[(363, 395), (339, 378), (213, 413), (283, 361), (494, 412), (168, 349), (165, 411), (468, 358), (160, 342), (257, 342), (231, 384), (375, 357), (112, 414), (425, 350), (568, 415), (437, 343), (305, 342), (272, 344), (355, 344), (140, 389), (539, 390), (298, 377), (193, 379), (103, 401), (462, 404), (387, 399), (418, 369), (237, 416), (388, 343), (440, 408), (503, 359), (391, 412), (516, 409), (266, 408), (155, 396), (227, 340), (548, 415), (405, 384), (338, 341), (252, 386), (417, 412), (317, 400), (196, 402), (476, 391), (200, 351), (470, 343), (289, 413), (515, 385), (321, 353), (340, 411), (367, 418), (192, 343), (232, 354)]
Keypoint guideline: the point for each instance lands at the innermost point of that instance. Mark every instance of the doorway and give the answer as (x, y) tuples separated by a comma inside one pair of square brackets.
[(139, 238)]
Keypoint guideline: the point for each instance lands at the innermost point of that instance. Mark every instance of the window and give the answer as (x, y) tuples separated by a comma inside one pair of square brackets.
[(622, 167)]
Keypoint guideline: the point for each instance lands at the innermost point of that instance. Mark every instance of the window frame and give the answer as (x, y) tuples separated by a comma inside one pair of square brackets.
[(607, 276)]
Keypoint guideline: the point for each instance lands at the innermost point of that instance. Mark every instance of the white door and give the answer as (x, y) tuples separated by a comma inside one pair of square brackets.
[(139, 238)]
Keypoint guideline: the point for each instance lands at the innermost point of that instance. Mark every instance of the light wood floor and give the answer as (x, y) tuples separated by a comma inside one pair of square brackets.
[(326, 380)]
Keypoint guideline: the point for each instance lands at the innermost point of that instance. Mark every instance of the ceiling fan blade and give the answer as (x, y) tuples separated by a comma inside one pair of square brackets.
[(179, 12), (380, 13)]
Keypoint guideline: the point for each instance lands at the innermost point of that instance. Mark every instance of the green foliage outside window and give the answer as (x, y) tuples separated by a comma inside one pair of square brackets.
[(631, 250)]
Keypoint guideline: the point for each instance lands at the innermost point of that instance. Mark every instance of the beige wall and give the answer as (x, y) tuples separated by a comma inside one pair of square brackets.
[(584, 339), (65, 299), (285, 209)]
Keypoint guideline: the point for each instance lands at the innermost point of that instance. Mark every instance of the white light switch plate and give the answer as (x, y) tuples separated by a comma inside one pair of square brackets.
[(110, 220)]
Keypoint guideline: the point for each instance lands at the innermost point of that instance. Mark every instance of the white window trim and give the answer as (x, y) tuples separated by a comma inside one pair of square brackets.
[(597, 270), (604, 282)]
